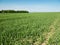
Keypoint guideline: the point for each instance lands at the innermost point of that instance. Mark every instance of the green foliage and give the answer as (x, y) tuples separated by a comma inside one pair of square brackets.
[(13, 11), (25, 28), (55, 39)]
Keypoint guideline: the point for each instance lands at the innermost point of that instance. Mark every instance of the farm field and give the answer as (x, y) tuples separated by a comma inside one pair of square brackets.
[(30, 28)]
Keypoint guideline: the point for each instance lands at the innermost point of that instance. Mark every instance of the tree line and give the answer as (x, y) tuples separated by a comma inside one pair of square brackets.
[(13, 11)]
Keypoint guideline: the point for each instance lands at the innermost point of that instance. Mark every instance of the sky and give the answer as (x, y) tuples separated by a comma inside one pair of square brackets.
[(31, 5)]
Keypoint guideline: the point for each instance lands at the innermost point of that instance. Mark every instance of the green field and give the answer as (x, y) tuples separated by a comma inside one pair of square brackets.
[(30, 28)]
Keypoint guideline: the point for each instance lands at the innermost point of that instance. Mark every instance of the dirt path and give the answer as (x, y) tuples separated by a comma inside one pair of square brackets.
[(52, 28)]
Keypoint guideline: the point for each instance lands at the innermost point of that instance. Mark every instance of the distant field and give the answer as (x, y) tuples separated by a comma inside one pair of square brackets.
[(30, 28)]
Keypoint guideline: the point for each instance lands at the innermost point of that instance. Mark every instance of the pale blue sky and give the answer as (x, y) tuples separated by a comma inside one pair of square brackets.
[(31, 5)]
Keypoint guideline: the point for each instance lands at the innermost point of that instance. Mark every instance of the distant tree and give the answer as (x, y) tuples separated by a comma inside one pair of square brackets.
[(13, 11), (0, 11), (23, 11)]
